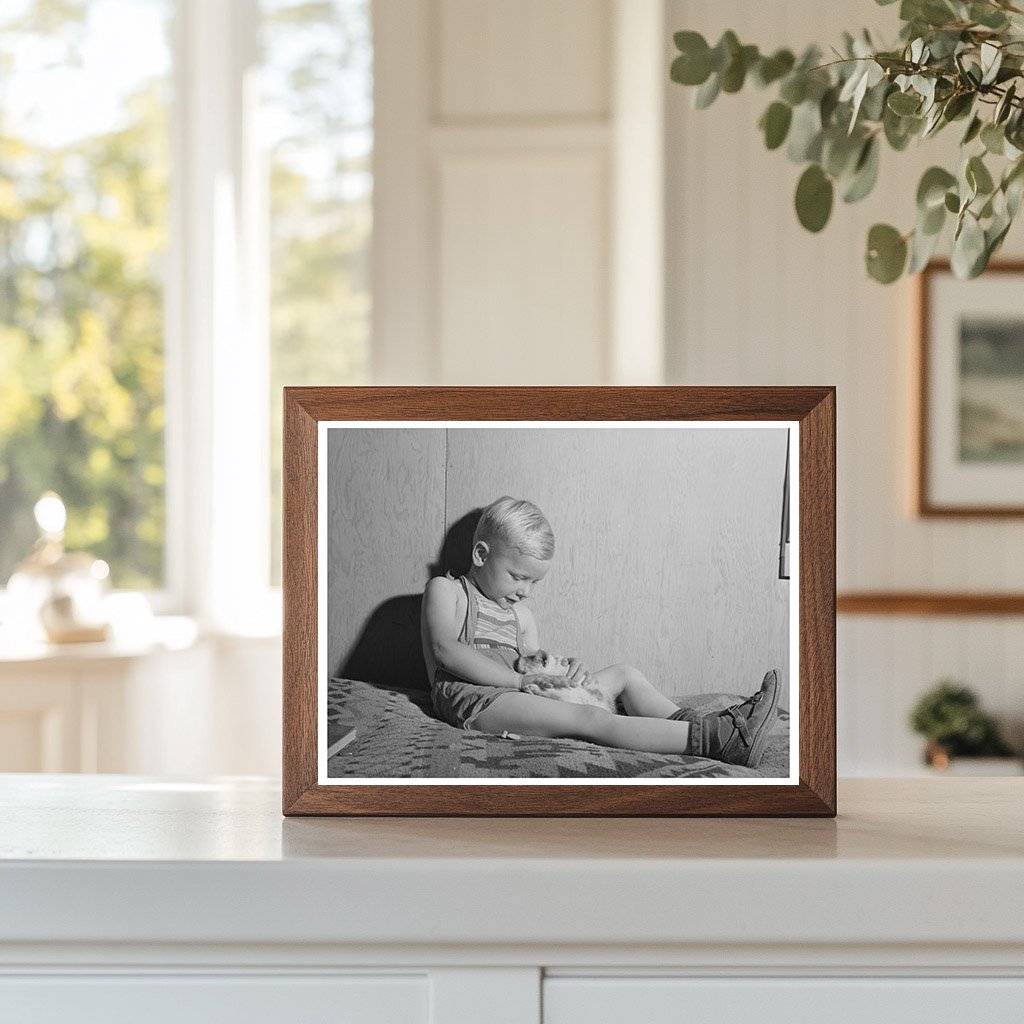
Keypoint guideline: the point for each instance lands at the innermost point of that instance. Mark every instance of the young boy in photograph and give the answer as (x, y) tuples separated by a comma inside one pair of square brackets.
[(475, 629)]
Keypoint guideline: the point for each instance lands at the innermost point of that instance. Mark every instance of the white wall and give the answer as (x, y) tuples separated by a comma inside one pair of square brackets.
[(752, 298), (510, 138)]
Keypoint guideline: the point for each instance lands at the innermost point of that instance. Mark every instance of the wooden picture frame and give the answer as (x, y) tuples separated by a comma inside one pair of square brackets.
[(310, 414), (969, 449)]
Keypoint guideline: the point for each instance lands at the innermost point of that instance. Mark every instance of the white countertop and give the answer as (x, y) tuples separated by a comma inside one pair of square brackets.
[(125, 859)]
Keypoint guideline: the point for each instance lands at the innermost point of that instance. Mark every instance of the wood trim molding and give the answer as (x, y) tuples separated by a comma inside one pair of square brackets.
[(928, 603)]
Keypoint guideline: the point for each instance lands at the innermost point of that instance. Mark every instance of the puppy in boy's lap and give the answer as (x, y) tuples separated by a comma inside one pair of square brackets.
[(546, 677)]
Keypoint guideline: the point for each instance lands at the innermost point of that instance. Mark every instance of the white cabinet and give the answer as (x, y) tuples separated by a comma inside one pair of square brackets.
[(133, 898), (199, 999), (824, 1000)]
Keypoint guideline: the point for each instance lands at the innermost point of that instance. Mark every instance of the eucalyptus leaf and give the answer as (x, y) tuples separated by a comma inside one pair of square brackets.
[(978, 176), (972, 132), (968, 247), (775, 124), (735, 74), (1013, 191), (993, 138), (987, 15), (991, 59), (873, 106), (865, 173), (886, 253), (900, 130), (805, 133), (1004, 106), (771, 69), (707, 93), (958, 105), (995, 233), (934, 121), (794, 88), (922, 248), (903, 103), (724, 51), (814, 194), (840, 152), (952, 202), (932, 221), (1013, 186), (931, 190)]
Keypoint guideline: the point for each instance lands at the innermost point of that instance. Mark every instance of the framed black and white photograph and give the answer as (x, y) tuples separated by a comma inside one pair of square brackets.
[(559, 601), (970, 452)]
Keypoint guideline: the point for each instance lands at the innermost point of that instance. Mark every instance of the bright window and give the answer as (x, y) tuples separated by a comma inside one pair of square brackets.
[(317, 121), (83, 238), (185, 221)]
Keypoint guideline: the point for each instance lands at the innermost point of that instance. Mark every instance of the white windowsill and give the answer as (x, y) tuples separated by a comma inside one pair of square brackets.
[(161, 633)]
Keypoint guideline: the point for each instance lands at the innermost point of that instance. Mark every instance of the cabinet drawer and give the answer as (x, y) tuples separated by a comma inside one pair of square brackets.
[(677, 1000), (202, 999)]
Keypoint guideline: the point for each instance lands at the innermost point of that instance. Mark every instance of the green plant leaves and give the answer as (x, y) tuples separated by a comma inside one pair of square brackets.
[(978, 176), (693, 65), (969, 255), (887, 253), (904, 103), (775, 123), (805, 133), (865, 173), (993, 138), (931, 191), (814, 194), (955, 60), (771, 69)]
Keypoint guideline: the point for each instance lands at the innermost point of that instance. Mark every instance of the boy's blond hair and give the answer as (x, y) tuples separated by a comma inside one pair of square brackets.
[(516, 523)]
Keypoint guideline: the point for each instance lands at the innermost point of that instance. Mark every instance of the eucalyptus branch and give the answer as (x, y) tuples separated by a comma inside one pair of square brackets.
[(834, 116)]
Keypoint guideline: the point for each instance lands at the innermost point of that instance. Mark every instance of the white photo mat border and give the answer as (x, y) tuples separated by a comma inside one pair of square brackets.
[(793, 426)]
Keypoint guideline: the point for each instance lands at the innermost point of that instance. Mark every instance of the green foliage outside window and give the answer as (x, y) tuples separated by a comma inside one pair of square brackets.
[(82, 234)]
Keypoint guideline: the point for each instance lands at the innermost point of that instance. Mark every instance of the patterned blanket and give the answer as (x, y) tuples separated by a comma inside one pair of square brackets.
[(398, 737)]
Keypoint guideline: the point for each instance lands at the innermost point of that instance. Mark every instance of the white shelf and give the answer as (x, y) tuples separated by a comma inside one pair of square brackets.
[(122, 859)]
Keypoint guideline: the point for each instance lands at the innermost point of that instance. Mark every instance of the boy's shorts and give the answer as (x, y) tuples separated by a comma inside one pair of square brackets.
[(460, 703)]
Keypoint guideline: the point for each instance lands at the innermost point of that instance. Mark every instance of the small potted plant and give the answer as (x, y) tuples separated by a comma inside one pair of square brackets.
[(950, 717)]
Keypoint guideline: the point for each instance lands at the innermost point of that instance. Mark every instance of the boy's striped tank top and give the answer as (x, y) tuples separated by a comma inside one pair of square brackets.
[(494, 624)]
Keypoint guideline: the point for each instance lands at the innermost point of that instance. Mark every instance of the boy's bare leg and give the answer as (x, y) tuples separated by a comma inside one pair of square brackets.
[(638, 695), (529, 715)]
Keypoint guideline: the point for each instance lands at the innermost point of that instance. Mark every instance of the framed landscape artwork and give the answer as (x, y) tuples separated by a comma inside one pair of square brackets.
[(559, 601), (970, 446)]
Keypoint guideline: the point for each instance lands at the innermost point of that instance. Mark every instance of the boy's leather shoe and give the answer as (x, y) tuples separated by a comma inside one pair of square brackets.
[(738, 734)]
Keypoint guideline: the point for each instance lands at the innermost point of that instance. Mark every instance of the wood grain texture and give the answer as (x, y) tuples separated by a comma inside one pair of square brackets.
[(817, 641), (813, 407), (299, 598), (924, 603)]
